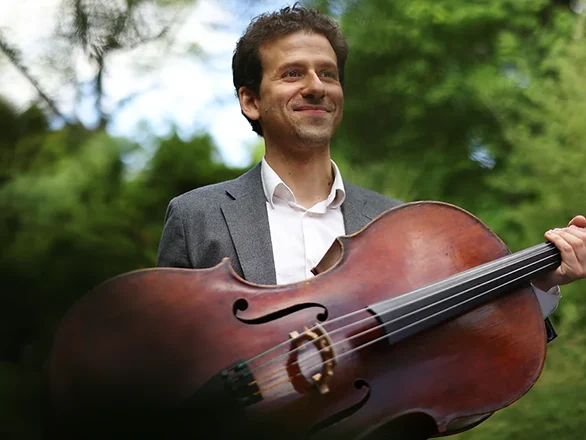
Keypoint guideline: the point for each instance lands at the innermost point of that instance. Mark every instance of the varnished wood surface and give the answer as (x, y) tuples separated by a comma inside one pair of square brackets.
[(140, 344)]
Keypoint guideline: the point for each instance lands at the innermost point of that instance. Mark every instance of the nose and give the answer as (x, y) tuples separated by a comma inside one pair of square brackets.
[(314, 87)]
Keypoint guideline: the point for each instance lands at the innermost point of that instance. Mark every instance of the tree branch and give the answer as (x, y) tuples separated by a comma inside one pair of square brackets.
[(14, 56)]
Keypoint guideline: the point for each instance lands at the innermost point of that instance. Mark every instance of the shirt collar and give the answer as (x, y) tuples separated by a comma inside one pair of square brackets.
[(274, 186)]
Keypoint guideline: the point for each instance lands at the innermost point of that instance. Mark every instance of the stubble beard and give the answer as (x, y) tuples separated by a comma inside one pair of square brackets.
[(313, 136), (304, 136), (314, 133)]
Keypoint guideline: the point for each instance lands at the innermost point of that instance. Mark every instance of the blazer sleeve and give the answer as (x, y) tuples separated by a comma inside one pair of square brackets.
[(173, 247)]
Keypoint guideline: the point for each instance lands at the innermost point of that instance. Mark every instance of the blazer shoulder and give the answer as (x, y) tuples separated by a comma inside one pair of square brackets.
[(372, 197), (243, 185), (213, 193)]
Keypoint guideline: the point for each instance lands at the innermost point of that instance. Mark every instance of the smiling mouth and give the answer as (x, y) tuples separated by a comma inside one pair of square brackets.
[(313, 110)]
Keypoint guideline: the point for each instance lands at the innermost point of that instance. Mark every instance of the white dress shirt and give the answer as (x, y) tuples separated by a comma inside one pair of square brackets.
[(300, 237)]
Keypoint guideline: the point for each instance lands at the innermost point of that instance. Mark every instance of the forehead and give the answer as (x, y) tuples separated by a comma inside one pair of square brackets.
[(296, 48)]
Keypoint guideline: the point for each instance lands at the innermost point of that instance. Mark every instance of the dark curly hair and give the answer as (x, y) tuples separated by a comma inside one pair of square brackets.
[(246, 65)]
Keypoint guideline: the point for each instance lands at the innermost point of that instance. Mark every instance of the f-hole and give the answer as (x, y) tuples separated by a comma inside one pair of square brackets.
[(359, 384), (240, 305)]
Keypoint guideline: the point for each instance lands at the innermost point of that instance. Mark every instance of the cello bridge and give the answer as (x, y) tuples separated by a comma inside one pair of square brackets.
[(318, 336)]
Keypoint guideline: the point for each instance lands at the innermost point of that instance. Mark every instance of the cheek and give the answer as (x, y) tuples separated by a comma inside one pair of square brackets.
[(290, 94), (338, 96), (274, 100)]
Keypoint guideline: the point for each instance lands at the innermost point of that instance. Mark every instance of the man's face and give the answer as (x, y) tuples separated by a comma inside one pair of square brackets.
[(301, 99)]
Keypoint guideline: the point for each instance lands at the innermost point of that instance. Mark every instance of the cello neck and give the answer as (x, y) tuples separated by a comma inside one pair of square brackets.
[(425, 307)]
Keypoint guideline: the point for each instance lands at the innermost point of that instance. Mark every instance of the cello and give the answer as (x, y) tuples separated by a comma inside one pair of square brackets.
[(421, 324)]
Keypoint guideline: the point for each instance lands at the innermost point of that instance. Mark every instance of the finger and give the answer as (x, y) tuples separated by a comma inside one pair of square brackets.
[(576, 237), (579, 221), (577, 232), (578, 241), (564, 242)]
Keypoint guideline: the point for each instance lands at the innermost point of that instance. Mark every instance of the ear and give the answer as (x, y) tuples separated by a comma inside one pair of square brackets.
[(249, 103)]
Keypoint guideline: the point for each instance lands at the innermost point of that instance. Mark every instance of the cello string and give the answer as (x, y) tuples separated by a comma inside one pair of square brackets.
[(468, 273), (286, 342), (414, 311), (360, 347)]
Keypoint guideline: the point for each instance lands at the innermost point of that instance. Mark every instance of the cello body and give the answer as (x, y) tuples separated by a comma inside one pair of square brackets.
[(148, 352)]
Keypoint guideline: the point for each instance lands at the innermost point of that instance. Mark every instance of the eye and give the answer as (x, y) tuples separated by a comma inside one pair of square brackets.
[(329, 74), (291, 74)]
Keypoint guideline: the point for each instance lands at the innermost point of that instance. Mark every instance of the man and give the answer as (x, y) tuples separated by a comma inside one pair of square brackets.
[(276, 221), (288, 76)]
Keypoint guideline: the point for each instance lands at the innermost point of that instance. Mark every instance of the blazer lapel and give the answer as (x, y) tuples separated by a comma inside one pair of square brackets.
[(355, 210), (248, 223)]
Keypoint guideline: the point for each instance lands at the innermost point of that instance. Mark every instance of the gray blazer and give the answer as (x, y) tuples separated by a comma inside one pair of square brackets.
[(230, 219)]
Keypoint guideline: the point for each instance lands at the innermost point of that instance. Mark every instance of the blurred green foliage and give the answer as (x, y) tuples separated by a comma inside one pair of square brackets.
[(480, 104)]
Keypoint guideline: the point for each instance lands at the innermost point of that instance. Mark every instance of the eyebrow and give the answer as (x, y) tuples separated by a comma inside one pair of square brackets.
[(300, 64)]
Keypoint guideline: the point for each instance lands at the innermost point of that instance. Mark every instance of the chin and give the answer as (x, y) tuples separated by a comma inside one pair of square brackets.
[(317, 141), (317, 137)]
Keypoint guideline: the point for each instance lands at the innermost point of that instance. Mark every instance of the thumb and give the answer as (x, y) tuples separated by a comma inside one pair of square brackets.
[(579, 221)]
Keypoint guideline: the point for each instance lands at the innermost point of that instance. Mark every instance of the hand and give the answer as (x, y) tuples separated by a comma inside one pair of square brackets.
[(571, 242)]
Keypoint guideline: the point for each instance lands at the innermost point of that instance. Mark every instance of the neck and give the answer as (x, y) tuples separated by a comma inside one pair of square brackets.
[(309, 175)]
